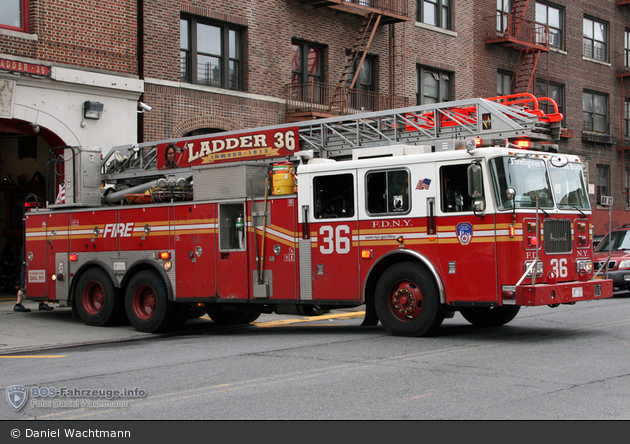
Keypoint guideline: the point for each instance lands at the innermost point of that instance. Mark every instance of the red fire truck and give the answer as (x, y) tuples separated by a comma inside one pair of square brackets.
[(415, 213)]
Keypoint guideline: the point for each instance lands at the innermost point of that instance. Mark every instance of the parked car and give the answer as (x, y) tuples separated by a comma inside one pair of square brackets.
[(619, 262), (596, 240)]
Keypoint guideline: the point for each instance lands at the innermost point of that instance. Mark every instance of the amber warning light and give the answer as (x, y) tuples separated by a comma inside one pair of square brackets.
[(164, 255)]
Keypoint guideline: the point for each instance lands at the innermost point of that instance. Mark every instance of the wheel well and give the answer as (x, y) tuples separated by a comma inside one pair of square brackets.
[(395, 258)]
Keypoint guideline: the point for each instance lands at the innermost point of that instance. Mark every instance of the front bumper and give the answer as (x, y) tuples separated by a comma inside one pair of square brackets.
[(561, 293)]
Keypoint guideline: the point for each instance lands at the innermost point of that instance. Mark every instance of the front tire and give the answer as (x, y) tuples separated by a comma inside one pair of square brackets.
[(98, 302), (407, 301), (147, 305), (490, 317)]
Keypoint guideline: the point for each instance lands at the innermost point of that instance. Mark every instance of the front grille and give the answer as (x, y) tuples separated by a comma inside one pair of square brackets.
[(557, 236), (599, 264)]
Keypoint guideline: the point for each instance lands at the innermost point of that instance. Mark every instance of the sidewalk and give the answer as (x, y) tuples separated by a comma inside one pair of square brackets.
[(41, 330), (47, 330)]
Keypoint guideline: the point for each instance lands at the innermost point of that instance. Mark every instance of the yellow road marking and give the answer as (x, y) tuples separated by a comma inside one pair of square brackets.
[(352, 315)]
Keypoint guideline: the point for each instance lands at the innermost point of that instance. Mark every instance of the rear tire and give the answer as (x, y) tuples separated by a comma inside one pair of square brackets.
[(147, 305), (490, 317), (407, 301), (97, 301)]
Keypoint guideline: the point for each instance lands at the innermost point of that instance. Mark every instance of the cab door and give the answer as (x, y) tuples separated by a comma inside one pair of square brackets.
[(334, 234), (466, 240)]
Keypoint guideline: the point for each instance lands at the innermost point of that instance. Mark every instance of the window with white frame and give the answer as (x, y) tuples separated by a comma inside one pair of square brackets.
[(434, 12), (14, 15), (551, 17), (595, 38), (211, 53)]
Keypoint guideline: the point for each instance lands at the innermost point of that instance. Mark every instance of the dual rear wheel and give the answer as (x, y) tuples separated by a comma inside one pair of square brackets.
[(145, 303)]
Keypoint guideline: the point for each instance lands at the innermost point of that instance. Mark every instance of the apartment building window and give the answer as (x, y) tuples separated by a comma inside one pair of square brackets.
[(434, 12), (14, 15), (603, 182), (595, 112), (433, 86), (554, 91), (362, 99), (627, 186), (595, 38), (504, 7), (306, 63), (211, 53), (504, 83), (626, 50), (551, 17)]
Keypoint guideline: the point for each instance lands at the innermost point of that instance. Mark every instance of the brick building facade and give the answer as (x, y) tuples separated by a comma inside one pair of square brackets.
[(211, 65)]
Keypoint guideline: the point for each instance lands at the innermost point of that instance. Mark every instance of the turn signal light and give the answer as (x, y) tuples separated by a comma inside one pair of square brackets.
[(74, 257), (366, 254), (512, 231), (533, 241), (164, 255)]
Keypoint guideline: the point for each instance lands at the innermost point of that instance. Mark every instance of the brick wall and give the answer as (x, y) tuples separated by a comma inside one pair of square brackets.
[(99, 35)]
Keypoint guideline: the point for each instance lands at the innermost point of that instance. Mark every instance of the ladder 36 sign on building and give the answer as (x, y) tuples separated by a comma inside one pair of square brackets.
[(226, 148)]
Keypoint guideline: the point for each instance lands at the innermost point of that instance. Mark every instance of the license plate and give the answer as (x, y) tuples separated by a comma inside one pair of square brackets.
[(577, 292)]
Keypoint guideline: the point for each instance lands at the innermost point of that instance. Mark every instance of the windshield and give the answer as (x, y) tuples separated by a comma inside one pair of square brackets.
[(620, 241), (568, 186), (528, 177)]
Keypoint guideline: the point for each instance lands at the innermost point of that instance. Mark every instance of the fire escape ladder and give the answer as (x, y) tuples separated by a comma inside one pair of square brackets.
[(528, 60), (518, 14), (359, 49)]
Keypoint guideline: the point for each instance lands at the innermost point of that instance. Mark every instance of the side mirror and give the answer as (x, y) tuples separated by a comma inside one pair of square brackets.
[(475, 187)]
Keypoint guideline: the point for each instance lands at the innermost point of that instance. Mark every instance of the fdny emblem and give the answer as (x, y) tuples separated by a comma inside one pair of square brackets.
[(17, 395), (464, 233)]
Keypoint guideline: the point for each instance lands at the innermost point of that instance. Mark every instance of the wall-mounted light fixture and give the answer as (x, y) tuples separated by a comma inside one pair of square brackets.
[(92, 110)]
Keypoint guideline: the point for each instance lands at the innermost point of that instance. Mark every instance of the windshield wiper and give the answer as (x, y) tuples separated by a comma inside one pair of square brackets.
[(576, 208)]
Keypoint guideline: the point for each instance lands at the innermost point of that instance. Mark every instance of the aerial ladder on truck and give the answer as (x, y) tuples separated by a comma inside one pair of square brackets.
[(347, 234)]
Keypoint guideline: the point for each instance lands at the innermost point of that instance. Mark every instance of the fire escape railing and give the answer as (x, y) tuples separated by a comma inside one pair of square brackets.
[(333, 100)]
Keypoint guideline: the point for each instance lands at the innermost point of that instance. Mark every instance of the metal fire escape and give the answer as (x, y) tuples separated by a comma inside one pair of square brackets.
[(513, 31), (336, 99)]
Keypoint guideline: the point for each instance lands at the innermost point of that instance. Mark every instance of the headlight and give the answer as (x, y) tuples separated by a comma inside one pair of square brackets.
[(586, 265), (539, 268), (624, 264)]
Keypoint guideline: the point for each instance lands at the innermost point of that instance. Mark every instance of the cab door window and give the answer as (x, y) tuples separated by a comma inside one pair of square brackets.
[(334, 196), (387, 192), (454, 189)]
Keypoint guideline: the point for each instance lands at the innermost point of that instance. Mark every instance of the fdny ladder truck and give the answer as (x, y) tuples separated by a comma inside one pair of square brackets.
[(416, 213)]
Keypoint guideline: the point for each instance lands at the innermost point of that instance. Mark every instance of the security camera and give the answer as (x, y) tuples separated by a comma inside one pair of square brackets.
[(144, 106)]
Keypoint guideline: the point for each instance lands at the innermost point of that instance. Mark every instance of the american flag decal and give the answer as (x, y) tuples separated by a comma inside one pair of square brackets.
[(61, 194), (423, 184)]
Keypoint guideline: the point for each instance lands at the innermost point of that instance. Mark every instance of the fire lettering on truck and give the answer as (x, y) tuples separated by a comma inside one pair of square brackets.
[(121, 230)]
